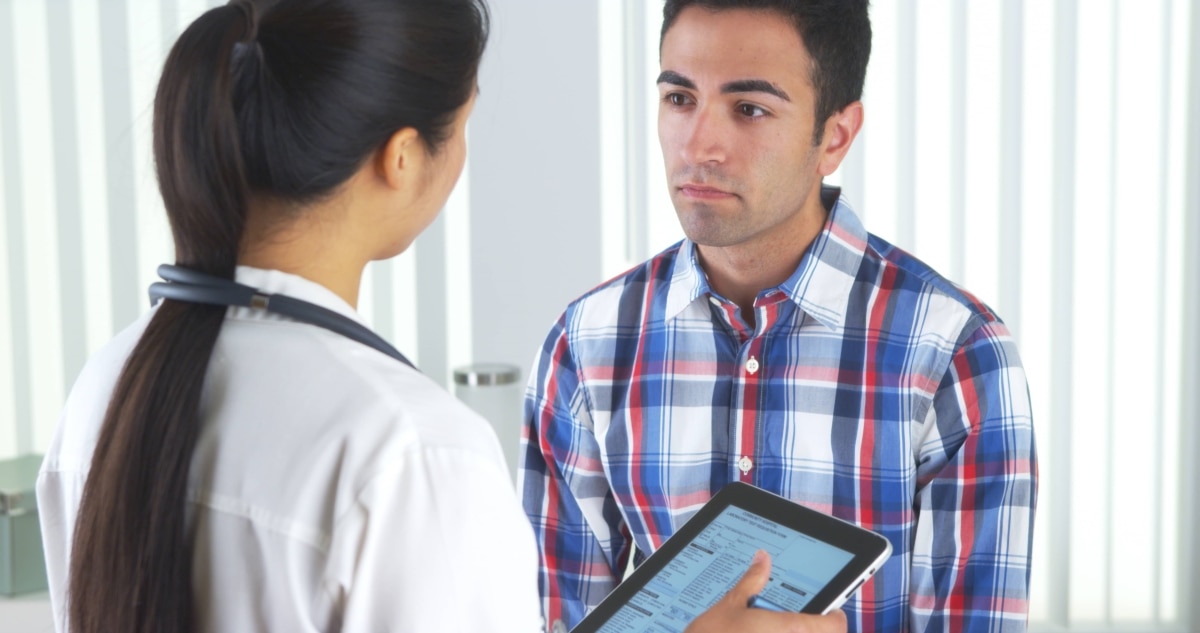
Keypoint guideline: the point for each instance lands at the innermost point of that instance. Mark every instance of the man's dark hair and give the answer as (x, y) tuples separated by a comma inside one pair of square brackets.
[(836, 34)]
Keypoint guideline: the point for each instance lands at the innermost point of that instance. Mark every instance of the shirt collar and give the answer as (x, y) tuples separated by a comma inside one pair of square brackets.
[(688, 281), (829, 267), (821, 282), (280, 283)]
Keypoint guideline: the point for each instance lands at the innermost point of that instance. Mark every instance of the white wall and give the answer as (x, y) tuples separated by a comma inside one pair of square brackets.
[(535, 174)]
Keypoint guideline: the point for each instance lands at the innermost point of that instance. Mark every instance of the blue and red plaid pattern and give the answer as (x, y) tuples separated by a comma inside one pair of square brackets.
[(870, 388)]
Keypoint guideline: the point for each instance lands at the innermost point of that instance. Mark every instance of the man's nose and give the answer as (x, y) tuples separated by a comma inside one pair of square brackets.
[(704, 138)]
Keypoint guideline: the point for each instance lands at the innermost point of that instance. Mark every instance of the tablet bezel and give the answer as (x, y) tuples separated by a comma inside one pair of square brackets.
[(868, 548)]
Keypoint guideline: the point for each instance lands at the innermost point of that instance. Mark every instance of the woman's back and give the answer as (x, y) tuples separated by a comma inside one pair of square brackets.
[(331, 486)]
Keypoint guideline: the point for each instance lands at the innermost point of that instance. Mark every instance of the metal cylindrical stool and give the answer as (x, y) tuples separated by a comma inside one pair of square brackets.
[(493, 390)]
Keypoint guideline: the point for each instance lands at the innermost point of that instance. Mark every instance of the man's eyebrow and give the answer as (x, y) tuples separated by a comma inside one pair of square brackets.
[(672, 77), (754, 85), (733, 87)]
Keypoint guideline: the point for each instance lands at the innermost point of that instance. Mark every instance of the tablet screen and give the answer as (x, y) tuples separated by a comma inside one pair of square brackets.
[(715, 560), (817, 562)]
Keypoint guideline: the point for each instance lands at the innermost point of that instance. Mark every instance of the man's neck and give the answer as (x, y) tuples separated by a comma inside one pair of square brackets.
[(740, 272)]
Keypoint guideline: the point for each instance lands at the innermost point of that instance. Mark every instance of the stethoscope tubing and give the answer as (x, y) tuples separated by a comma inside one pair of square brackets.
[(193, 286)]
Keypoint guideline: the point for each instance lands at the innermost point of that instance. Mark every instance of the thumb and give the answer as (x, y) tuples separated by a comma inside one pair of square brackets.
[(755, 578)]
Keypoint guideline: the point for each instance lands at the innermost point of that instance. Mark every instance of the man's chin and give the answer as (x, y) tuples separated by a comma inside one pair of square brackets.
[(709, 236)]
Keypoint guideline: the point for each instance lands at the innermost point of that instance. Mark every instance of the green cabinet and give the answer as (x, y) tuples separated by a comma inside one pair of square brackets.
[(22, 565)]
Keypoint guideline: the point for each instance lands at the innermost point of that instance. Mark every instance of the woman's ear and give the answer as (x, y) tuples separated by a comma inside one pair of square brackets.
[(402, 158)]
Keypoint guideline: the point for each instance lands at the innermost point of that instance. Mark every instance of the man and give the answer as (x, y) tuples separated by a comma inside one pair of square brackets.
[(782, 345)]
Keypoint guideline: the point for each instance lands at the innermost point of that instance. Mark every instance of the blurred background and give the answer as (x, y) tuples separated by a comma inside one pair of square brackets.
[(1044, 154)]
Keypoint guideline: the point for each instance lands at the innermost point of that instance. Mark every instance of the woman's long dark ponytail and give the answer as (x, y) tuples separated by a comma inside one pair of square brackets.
[(131, 560), (290, 113)]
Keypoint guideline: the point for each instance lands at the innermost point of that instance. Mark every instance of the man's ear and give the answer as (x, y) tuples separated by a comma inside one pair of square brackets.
[(401, 159), (840, 130)]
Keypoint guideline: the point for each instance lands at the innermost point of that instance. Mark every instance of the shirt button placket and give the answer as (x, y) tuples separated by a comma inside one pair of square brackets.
[(745, 463)]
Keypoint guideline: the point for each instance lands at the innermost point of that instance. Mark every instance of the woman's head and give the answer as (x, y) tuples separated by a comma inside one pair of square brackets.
[(296, 96), (283, 101)]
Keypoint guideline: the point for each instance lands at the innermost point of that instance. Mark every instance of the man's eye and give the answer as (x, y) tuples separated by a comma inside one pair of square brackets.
[(676, 99), (751, 111)]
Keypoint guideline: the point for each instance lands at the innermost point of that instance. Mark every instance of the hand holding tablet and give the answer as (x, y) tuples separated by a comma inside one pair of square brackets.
[(731, 612), (818, 562)]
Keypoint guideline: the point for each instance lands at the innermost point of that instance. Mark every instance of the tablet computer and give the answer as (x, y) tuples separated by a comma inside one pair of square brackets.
[(817, 561)]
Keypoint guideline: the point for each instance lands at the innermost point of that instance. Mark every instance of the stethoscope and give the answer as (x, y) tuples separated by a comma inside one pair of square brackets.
[(185, 284)]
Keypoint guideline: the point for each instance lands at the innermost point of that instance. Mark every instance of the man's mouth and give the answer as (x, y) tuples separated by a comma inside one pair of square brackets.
[(703, 192)]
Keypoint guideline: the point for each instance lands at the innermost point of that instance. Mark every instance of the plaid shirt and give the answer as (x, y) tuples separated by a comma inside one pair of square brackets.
[(870, 388)]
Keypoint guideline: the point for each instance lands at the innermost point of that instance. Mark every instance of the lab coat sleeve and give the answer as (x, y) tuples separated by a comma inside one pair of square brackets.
[(436, 543)]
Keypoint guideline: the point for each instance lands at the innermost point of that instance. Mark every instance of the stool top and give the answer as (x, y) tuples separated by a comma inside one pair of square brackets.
[(481, 374)]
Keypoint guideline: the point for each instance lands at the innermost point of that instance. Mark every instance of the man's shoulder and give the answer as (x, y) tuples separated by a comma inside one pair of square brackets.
[(632, 287), (909, 274), (609, 316)]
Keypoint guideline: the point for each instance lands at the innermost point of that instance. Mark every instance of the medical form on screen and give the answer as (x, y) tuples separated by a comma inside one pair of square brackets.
[(716, 559)]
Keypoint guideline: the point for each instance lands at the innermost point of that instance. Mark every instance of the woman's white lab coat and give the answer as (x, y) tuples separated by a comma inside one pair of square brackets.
[(332, 487)]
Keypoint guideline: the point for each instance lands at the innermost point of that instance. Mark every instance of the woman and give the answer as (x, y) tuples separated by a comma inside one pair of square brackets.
[(230, 469)]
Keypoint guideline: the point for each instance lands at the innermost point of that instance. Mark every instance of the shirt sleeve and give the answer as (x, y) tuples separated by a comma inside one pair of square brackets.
[(977, 488), (57, 509), (435, 543), (582, 539)]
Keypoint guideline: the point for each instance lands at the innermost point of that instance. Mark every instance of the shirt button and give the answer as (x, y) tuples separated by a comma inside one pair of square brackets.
[(558, 627), (752, 366), (745, 464)]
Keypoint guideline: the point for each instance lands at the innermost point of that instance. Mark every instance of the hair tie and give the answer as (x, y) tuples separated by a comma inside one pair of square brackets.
[(249, 38), (239, 50)]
